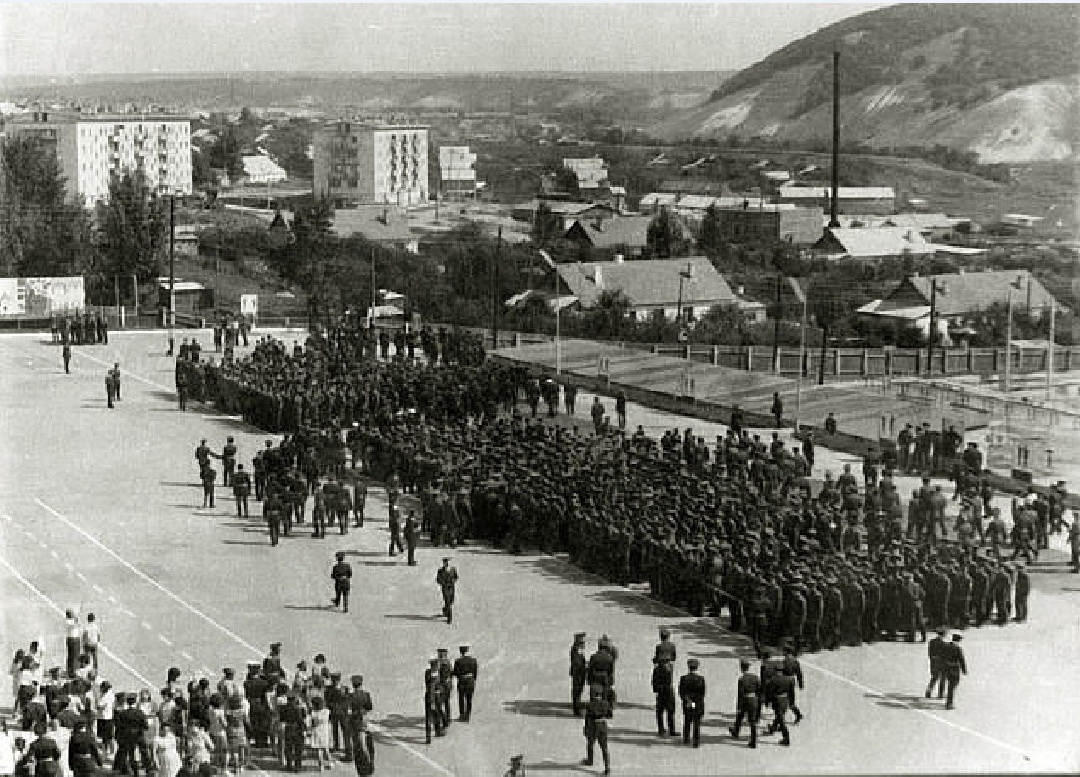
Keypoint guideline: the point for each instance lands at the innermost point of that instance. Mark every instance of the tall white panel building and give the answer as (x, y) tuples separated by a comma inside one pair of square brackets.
[(358, 164), (91, 148)]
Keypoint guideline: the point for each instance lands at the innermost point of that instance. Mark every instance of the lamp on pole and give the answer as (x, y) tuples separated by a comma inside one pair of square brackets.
[(686, 274)]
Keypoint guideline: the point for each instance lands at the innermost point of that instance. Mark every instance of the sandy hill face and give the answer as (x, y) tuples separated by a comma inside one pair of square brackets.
[(1002, 81)]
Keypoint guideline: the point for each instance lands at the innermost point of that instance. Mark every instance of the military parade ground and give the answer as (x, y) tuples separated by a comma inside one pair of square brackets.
[(101, 511)]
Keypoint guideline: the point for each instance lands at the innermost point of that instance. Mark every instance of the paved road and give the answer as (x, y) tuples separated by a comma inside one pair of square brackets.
[(100, 509)]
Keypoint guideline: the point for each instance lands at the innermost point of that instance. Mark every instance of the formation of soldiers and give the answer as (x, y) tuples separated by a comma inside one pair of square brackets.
[(80, 329), (735, 526)]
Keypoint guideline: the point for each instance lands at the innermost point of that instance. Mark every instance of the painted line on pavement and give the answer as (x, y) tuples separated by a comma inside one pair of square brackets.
[(165, 640), (223, 629), (147, 626), (186, 655), (129, 373), (830, 673), (139, 573), (60, 611)]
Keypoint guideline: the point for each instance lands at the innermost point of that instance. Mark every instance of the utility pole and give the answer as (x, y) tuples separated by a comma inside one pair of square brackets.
[(834, 222), (1008, 339), (371, 318), (495, 292), (802, 356), (1050, 352), (933, 329), (172, 272), (776, 327)]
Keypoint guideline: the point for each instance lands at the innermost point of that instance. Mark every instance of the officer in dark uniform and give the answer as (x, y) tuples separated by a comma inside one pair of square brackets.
[(579, 671), (447, 578), (747, 702), (272, 513), (241, 485), (446, 679), (433, 702), (466, 670), (412, 535), (597, 712), (228, 461), (692, 694), (779, 691), (953, 657), (337, 701), (665, 648), (363, 744), (341, 574), (663, 686), (936, 650)]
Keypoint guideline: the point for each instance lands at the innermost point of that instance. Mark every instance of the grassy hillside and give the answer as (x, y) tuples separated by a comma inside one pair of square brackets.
[(989, 49)]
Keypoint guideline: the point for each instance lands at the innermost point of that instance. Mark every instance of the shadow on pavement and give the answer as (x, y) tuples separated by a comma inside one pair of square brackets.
[(315, 607), (411, 617), (903, 701), (550, 566), (541, 708), (562, 768), (637, 603), (245, 542)]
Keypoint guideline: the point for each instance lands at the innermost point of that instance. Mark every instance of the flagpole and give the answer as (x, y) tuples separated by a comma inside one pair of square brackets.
[(798, 378)]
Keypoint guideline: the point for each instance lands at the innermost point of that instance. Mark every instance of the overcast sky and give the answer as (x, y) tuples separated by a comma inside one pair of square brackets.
[(430, 37)]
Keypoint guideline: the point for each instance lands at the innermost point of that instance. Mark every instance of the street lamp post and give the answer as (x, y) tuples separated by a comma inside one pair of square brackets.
[(172, 273), (558, 308)]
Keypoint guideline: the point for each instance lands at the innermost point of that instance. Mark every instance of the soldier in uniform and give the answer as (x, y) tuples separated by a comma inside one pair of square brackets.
[(228, 461), (363, 744), (663, 686), (337, 701), (272, 512), (412, 535), (446, 678), (779, 690), (1022, 588), (665, 648), (341, 574), (953, 657), (208, 475), (579, 672), (396, 545), (597, 712), (466, 670), (692, 694), (936, 652), (241, 485), (747, 702), (447, 578), (433, 702)]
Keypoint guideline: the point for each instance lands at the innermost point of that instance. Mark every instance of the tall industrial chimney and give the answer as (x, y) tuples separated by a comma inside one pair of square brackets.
[(833, 221)]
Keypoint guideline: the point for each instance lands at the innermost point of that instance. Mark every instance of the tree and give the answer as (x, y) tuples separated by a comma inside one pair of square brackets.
[(664, 236), (710, 240), (132, 228), (545, 225), (42, 232), (608, 318)]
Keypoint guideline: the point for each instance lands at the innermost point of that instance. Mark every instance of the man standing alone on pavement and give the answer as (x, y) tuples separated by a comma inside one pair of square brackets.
[(67, 357), (465, 671), (936, 649), (342, 577), (447, 578)]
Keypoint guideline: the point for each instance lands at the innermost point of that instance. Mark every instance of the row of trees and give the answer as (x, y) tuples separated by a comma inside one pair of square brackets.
[(46, 232)]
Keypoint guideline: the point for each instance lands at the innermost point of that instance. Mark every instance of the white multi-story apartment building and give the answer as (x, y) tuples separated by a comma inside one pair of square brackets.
[(91, 148), (363, 163), (591, 172), (457, 171)]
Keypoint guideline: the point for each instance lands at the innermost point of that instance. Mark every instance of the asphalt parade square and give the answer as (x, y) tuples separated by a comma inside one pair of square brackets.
[(100, 511)]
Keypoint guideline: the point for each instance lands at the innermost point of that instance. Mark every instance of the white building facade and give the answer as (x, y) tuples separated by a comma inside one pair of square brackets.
[(92, 148), (357, 164), (457, 170)]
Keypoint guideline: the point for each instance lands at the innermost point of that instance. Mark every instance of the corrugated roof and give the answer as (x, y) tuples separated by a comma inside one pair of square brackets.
[(651, 282), (975, 291), (882, 241)]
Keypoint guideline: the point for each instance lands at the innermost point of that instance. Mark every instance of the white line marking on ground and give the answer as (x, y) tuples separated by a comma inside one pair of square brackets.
[(99, 589), (128, 613), (42, 544), (69, 566), (112, 599), (130, 374), (60, 611), (81, 576), (54, 554), (139, 573), (836, 676), (147, 626), (165, 639), (186, 655), (224, 630)]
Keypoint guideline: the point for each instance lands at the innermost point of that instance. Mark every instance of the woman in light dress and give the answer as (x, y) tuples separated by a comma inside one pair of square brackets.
[(167, 752), (236, 734), (320, 732), (199, 744)]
